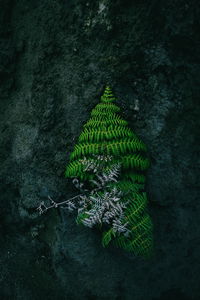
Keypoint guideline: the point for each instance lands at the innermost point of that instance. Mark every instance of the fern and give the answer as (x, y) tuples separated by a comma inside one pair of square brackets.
[(140, 178), (127, 185), (107, 237), (105, 107), (140, 245), (96, 123), (106, 141), (136, 208), (113, 148), (135, 161)]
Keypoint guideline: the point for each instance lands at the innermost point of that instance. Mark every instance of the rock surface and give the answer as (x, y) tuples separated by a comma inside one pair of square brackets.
[(55, 59)]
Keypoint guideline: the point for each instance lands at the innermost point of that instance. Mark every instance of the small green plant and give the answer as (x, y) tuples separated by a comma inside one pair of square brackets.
[(108, 165)]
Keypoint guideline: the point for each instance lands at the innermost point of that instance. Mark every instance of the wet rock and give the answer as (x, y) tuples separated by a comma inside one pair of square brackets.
[(55, 59)]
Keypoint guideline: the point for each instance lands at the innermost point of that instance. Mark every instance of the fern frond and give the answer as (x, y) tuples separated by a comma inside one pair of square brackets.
[(129, 186), (127, 146), (114, 148), (106, 134), (105, 116), (105, 107), (96, 135), (136, 207), (77, 169), (95, 123), (107, 237), (107, 96), (81, 217), (135, 161), (107, 99), (142, 225), (140, 178), (141, 244)]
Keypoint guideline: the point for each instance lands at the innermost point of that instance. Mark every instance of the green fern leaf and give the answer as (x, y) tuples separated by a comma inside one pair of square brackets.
[(106, 133), (107, 237)]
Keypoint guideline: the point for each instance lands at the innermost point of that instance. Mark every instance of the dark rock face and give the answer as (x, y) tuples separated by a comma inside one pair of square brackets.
[(55, 59)]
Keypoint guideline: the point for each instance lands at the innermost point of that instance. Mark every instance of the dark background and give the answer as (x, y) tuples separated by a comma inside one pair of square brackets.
[(56, 56)]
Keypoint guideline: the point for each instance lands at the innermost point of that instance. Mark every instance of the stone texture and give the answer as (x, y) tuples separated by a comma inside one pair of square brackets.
[(55, 59)]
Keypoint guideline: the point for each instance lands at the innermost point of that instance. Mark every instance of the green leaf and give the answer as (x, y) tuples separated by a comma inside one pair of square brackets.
[(107, 237)]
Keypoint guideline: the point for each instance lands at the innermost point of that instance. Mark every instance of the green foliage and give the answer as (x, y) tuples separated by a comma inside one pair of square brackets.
[(107, 237), (113, 148), (81, 217), (127, 185), (106, 133), (140, 178), (93, 135)]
